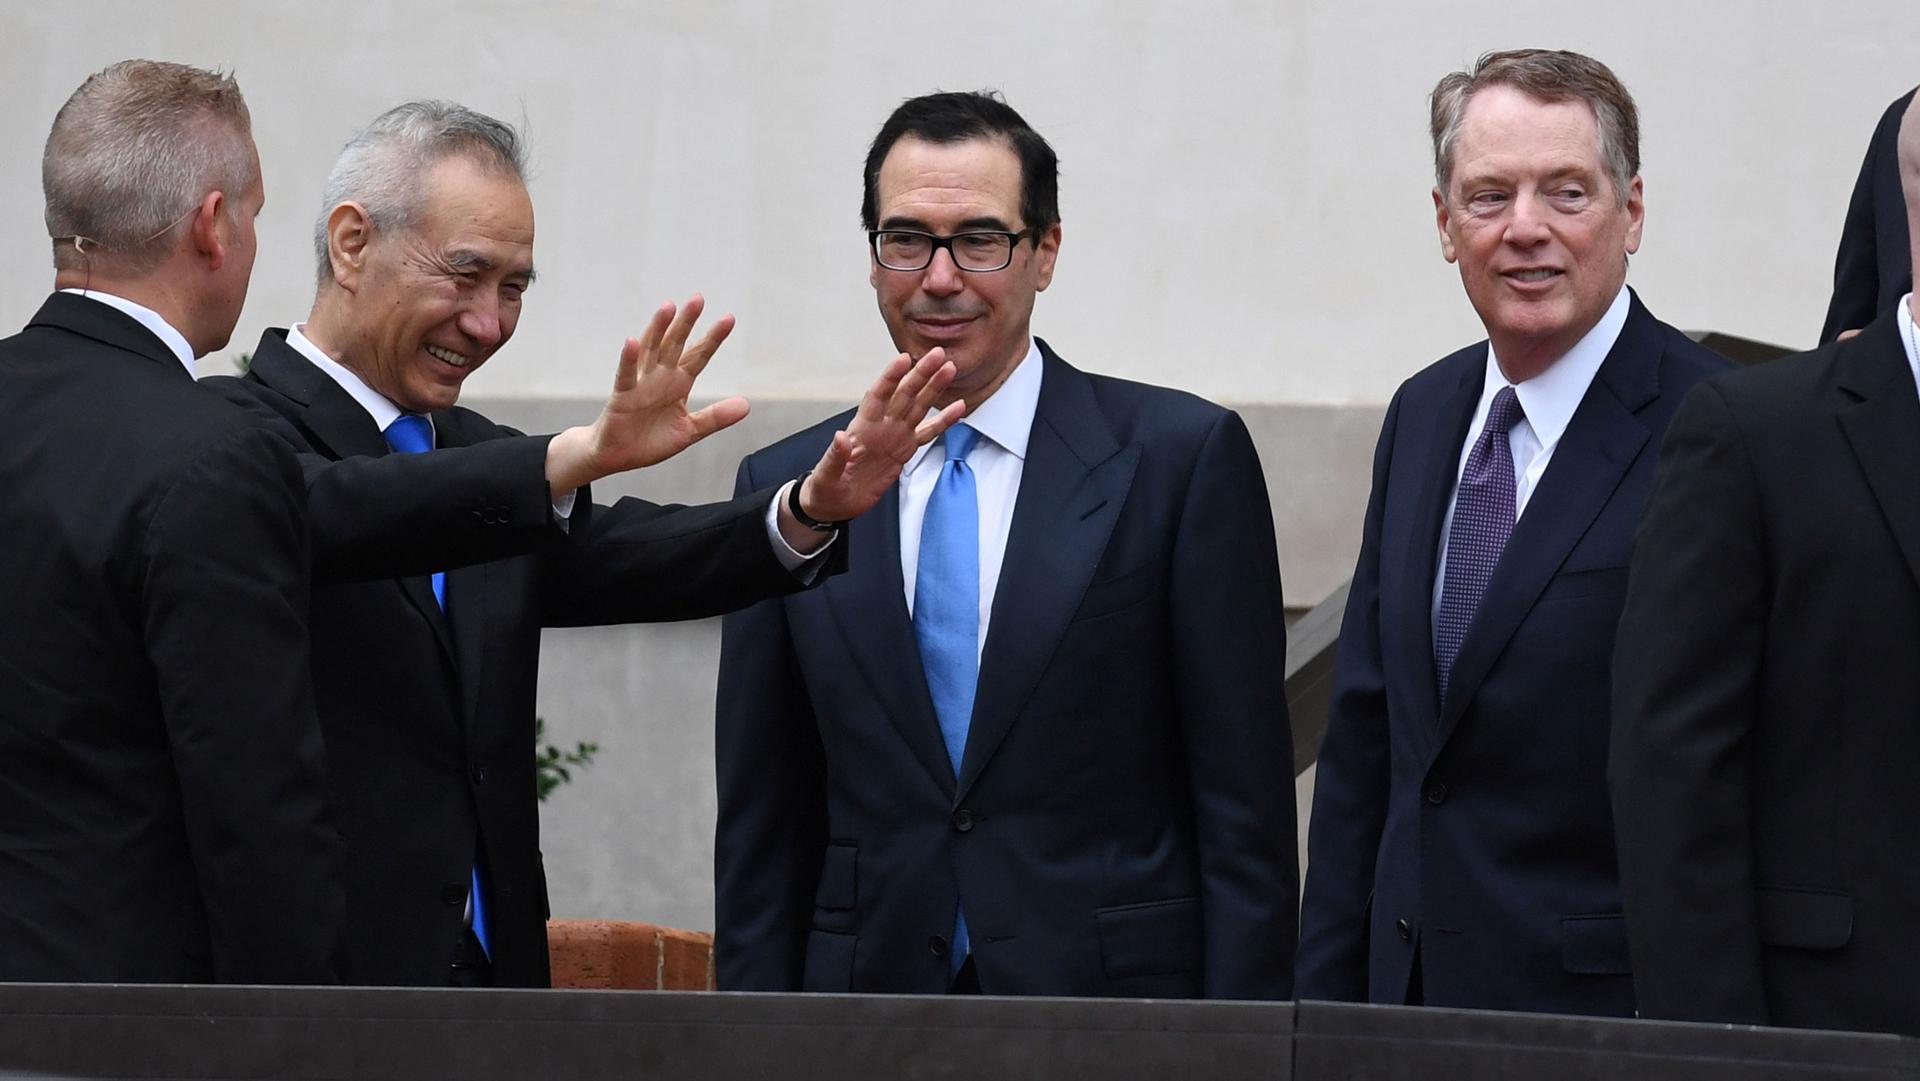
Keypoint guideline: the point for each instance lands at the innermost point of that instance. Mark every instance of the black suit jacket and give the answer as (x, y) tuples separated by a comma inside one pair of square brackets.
[(1767, 718), (1122, 822), (1874, 266), (1479, 837), (161, 775), (428, 715)]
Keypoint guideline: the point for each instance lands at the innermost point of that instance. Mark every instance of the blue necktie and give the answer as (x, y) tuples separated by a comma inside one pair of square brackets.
[(1483, 514), (946, 610), (411, 433)]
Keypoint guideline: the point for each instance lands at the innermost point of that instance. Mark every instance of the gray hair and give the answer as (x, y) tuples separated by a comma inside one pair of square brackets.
[(1549, 76), (383, 166), (133, 152)]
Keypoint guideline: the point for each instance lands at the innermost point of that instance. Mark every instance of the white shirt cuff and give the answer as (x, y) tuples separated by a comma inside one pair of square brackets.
[(804, 566)]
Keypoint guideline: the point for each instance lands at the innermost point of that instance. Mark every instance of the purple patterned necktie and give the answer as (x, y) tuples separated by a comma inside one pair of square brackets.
[(1482, 521)]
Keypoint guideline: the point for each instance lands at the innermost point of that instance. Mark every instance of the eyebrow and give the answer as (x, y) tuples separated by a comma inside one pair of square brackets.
[(988, 222), (468, 259)]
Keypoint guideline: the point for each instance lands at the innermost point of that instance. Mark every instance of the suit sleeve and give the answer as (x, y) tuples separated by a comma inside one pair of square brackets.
[(637, 561), (400, 515), (1685, 698), (412, 514), (1351, 783), (223, 601), (771, 832), (1230, 644), (1856, 265)]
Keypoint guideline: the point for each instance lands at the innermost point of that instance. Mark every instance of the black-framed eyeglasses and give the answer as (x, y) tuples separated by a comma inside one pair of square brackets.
[(982, 251)]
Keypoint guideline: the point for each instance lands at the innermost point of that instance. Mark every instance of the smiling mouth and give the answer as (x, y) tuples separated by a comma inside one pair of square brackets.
[(448, 356), (1532, 276)]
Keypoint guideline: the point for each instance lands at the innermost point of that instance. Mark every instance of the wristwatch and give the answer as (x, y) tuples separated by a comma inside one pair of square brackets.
[(800, 514)]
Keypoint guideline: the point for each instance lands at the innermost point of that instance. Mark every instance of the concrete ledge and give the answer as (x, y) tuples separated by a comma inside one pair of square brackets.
[(422, 1035)]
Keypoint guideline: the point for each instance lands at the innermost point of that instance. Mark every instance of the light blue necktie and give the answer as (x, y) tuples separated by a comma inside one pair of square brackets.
[(411, 433), (946, 610)]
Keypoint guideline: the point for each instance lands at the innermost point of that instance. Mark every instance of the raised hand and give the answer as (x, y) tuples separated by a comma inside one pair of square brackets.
[(646, 419), (892, 422)]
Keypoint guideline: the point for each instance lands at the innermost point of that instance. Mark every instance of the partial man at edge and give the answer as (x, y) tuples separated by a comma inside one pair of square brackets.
[(166, 807), (1870, 270), (1765, 692)]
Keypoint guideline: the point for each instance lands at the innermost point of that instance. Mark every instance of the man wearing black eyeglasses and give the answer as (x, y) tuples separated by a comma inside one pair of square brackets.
[(1035, 740)]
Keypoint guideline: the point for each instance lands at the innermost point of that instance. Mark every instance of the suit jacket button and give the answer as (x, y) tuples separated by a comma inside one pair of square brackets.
[(1437, 793), (454, 894), (962, 820), (479, 775), (937, 945), (1405, 929)]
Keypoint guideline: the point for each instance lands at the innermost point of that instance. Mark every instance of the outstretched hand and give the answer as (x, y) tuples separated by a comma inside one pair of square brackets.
[(892, 422), (646, 419)]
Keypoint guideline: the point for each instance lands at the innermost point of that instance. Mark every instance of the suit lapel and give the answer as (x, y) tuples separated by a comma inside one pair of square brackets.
[(1072, 486), (1443, 439), (1593, 455), (1882, 425), (869, 604), (339, 428)]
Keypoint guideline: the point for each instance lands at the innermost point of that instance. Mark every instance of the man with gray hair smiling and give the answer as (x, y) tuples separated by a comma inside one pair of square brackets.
[(161, 768), (445, 542), (1460, 851)]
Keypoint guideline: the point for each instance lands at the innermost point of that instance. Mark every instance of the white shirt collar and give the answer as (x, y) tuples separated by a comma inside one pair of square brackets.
[(383, 412), (1550, 398), (1006, 418), (148, 318), (1908, 335)]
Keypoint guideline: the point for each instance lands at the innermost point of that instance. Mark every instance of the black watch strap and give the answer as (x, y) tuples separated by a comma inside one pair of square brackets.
[(805, 519)]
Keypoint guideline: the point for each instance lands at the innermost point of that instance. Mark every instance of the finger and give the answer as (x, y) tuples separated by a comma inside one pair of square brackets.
[(650, 338), (936, 385), (675, 339), (833, 463), (933, 427), (724, 413), (626, 373), (901, 404), (697, 357), (873, 406)]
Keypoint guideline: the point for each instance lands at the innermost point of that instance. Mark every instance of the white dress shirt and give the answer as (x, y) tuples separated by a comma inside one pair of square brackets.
[(1004, 422), (1910, 338), (1548, 400), (148, 318)]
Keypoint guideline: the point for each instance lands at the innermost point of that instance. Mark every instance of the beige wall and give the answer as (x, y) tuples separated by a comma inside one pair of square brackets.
[(1245, 185), (1245, 188)]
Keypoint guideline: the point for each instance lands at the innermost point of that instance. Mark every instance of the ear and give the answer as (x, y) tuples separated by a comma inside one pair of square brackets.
[(204, 229), (1441, 219), (349, 238), (1636, 215), (1044, 256)]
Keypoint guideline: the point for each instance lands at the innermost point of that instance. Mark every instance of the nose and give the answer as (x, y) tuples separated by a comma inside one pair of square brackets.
[(482, 321), (943, 277), (1527, 224)]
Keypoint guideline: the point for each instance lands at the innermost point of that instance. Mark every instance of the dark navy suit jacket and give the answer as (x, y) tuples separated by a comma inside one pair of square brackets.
[(1873, 268), (1122, 821), (1480, 838)]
